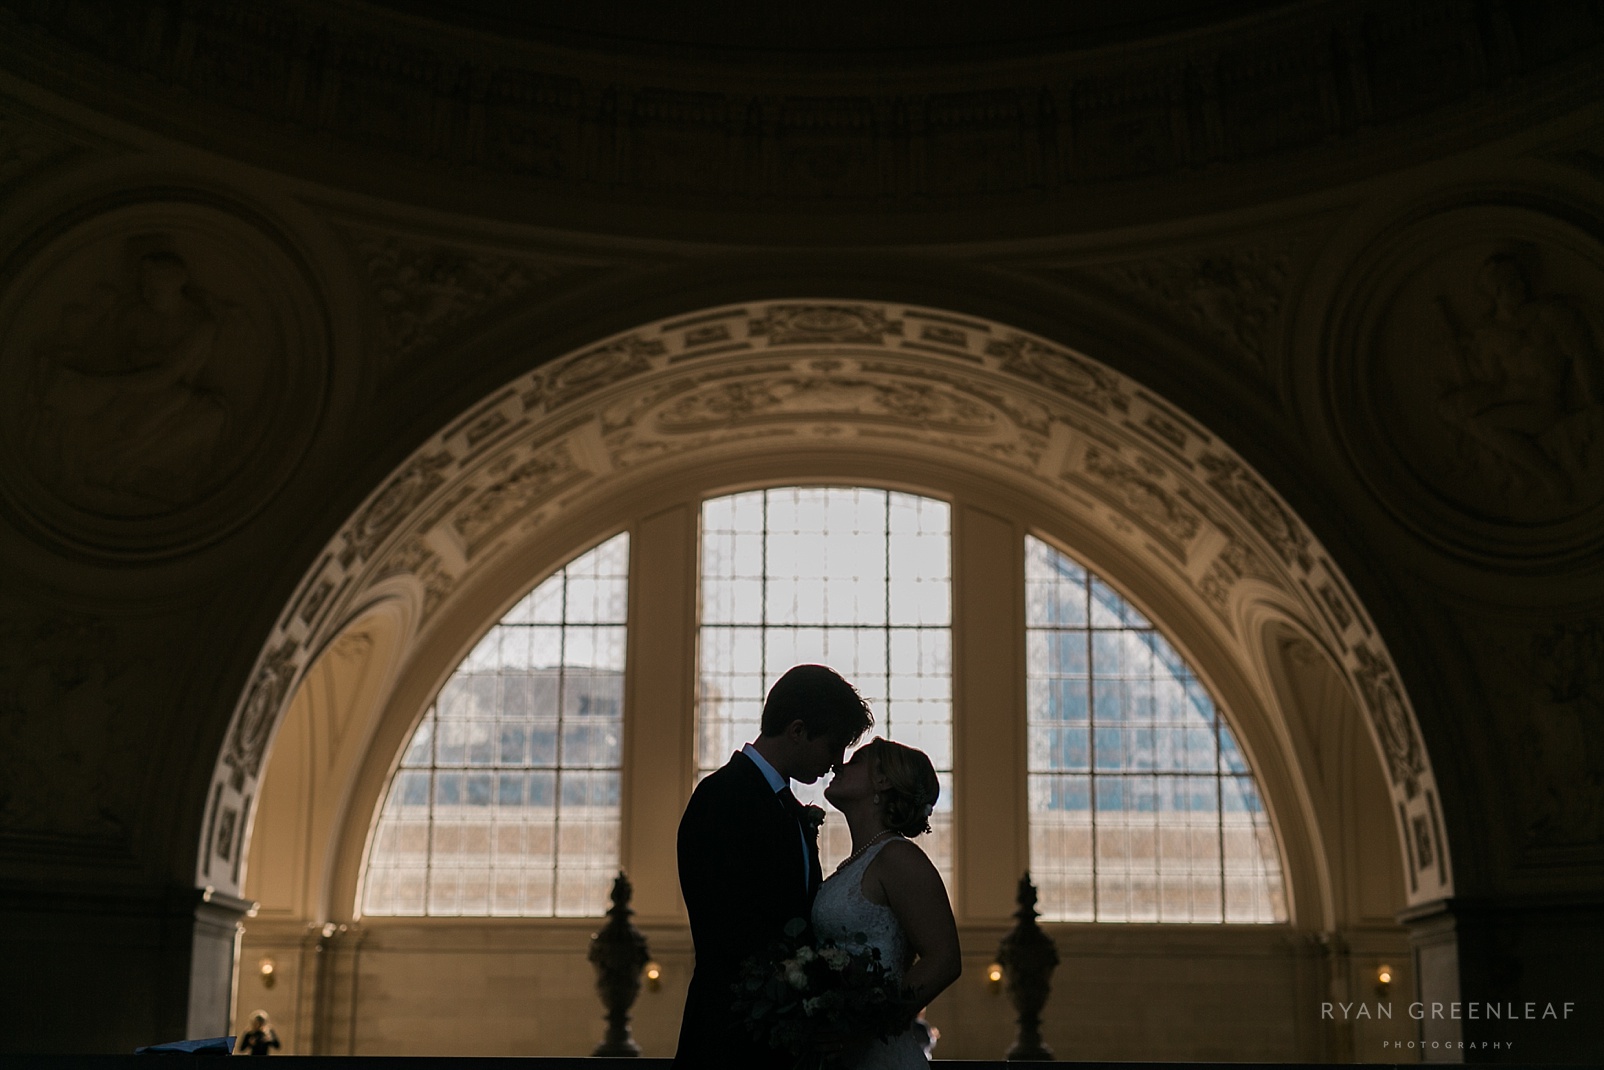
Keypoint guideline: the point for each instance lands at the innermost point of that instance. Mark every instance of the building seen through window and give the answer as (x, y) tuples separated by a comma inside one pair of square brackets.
[(506, 800), (1142, 807)]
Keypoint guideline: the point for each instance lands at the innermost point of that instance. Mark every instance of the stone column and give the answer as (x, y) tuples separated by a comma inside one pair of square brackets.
[(214, 923), (1506, 980)]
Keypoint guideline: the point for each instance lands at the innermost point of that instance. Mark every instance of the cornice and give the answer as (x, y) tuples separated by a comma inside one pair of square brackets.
[(1322, 91)]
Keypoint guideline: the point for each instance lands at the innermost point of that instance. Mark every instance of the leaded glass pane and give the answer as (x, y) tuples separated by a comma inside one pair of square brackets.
[(852, 577), (1142, 807), (506, 801)]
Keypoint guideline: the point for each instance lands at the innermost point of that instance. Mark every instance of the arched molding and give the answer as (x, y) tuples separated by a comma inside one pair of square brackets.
[(328, 727), (1324, 730), (850, 386)]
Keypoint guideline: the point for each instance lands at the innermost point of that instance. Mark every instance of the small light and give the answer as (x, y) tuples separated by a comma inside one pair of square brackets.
[(994, 976), (1383, 981), (654, 976), (266, 967)]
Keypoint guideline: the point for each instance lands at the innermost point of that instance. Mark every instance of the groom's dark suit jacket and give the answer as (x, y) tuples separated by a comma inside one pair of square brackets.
[(743, 873)]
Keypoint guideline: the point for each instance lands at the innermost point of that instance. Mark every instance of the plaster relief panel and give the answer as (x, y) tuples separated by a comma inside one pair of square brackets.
[(426, 291), (1477, 368), (67, 746), (1549, 699), (165, 367), (1233, 297)]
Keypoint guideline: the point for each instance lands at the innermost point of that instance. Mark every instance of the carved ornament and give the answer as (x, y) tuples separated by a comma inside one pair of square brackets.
[(1232, 296), (264, 703), (426, 292)]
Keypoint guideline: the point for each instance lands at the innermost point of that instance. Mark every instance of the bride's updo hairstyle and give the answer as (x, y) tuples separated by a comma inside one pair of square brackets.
[(914, 788)]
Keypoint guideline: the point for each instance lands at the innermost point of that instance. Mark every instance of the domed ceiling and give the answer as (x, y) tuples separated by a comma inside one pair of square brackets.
[(846, 30)]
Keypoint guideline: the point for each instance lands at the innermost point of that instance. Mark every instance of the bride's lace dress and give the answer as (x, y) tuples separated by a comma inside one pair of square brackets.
[(841, 913)]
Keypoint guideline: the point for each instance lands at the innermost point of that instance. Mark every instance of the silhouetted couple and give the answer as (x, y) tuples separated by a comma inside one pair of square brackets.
[(749, 863)]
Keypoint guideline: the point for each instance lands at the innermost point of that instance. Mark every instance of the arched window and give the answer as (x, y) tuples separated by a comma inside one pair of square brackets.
[(852, 577), (506, 801), (1141, 805)]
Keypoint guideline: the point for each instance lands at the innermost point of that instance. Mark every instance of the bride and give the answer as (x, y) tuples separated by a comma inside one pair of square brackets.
[(888, 892)]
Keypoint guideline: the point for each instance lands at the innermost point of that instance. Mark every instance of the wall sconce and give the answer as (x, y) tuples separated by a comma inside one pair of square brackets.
[(994, 976), (1383, 981), (654, 976), (268, 970)]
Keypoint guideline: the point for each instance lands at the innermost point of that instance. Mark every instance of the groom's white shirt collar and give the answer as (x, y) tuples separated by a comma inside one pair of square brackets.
[(772, 775)]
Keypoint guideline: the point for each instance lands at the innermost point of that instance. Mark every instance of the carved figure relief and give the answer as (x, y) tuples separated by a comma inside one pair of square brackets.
[(156, 348), (1486, 381), (1561, 736), (128, 413), (61, 705), (1525, 391)]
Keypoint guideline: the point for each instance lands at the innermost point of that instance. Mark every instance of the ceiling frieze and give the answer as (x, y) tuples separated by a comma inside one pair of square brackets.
[(509, 108)]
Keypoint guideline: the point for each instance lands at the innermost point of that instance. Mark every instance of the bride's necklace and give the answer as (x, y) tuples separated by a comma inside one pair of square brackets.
[(855, 855)]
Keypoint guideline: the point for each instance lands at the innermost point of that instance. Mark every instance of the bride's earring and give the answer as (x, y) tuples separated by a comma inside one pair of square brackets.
[(877, 798)]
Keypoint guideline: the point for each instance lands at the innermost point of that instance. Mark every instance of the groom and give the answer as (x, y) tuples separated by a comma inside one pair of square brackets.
[(749, 862)]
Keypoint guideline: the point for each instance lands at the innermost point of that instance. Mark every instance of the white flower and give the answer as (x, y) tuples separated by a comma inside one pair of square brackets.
[(812, 1006), (796, 977), (805, 955), (835, 958)]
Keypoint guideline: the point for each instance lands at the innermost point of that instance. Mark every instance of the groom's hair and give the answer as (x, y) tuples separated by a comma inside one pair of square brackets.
[(817, 696)]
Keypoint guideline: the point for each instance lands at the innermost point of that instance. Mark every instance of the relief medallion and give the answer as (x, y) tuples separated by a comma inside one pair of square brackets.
[(1478, 377), (164, 370)]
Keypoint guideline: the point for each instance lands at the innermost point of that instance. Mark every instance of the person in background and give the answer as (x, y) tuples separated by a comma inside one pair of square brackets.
[(259, 1038)]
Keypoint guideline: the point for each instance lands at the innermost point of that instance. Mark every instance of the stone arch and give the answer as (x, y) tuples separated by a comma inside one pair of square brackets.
[(829, 379)]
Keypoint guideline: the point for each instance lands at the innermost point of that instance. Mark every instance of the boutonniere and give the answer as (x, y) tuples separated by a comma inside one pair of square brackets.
[(812, 817)]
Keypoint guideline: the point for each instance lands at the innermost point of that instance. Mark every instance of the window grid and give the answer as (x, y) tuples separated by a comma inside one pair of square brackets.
[(506, 801), (856, 578), (1142, 807)]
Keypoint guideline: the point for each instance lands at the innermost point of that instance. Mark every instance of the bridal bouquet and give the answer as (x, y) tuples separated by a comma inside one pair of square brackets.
[(803, 990)]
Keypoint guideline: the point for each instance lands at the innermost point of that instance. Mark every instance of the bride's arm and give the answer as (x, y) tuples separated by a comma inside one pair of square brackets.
[(912, 888)]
